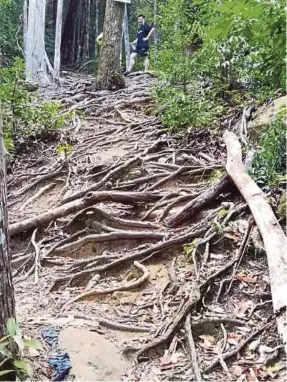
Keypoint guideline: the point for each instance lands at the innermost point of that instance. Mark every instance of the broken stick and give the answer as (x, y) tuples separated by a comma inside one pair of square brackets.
[(275, 241)]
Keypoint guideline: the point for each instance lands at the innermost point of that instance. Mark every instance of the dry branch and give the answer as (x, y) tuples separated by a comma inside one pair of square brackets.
[(275, 241), (191, 348)]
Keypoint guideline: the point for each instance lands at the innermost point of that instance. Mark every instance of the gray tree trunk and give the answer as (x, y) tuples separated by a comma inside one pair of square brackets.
[(7, 302), (25, 24), (35, 42), (97, 11), (155, 14), (58, 39), (126, 38), (109, 74)]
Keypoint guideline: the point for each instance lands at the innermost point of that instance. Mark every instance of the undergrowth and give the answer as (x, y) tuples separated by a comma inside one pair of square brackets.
[(269, 162), (25, 117), (214, 56), (13, 348)]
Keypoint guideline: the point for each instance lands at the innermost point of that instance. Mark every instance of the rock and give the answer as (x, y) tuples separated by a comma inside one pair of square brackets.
[(93, 357), (266, 114), (281, 209)]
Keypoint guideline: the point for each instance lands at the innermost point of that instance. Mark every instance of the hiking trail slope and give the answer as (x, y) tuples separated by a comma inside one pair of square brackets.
[(139, 235)]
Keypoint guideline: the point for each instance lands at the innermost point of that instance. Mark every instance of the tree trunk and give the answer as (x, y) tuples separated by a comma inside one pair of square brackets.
[(97, 11), (35, 42), (58, 38), (7, 302), (69, 34), (155, 16), (275, 241), (88, 24), (126, 38), (109, 74), (25, 24)]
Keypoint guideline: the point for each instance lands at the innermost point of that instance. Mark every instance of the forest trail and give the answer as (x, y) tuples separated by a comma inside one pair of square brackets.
[(121, 256)]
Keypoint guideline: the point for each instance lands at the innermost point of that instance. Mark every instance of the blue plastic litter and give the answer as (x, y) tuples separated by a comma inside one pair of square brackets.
[(61, 364), (50, 336)]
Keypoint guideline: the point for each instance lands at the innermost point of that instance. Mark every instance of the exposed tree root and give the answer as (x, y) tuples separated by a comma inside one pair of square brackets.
[(113, 236), (98, 214), (200, 202), (75, 206), (236, 350), (129, 286)]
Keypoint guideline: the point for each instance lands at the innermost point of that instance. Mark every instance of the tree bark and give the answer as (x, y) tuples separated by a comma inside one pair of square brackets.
[(275, 241), (25, 24), (34, 42), (96, 27), (58, 39), (126, 38), (109, 74), (69, 34), (7, 302)]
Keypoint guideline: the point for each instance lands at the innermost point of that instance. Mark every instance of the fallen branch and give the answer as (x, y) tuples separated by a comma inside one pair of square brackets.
[(75, 206), (128, 286), (275, 241), (200, 202)]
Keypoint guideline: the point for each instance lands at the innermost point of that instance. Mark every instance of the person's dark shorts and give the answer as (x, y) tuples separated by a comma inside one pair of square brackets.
[(141, 52)]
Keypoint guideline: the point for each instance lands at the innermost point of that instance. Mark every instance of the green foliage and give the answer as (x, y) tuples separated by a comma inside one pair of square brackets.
[(24, 116), (242, 55), (10, 11), (64, 150), (269, 163), (14, 343)]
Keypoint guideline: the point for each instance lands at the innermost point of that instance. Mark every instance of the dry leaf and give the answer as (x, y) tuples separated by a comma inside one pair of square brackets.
[(232, 235), (237, 371), (234, 338), (208, 341), (246, 279)]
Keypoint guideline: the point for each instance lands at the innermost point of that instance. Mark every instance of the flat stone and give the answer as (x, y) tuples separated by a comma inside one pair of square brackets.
[(93, 357)]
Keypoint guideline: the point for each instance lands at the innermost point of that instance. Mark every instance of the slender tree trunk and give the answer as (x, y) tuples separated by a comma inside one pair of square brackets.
[(25, 24), (155, 15), (7, 302), (109, 74), (97, 11), (126, 38), (58, 38), (88, 24), (69, 33), (35, 42)]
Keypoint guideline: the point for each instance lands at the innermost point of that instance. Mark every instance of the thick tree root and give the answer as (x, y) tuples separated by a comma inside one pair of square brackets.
[(200, 202), (75, 206)]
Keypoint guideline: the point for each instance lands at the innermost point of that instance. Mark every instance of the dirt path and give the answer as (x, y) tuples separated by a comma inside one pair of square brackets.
[(115, 265)]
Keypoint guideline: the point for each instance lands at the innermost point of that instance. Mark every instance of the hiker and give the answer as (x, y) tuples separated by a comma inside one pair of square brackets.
[(99, 40), (140, 46)]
